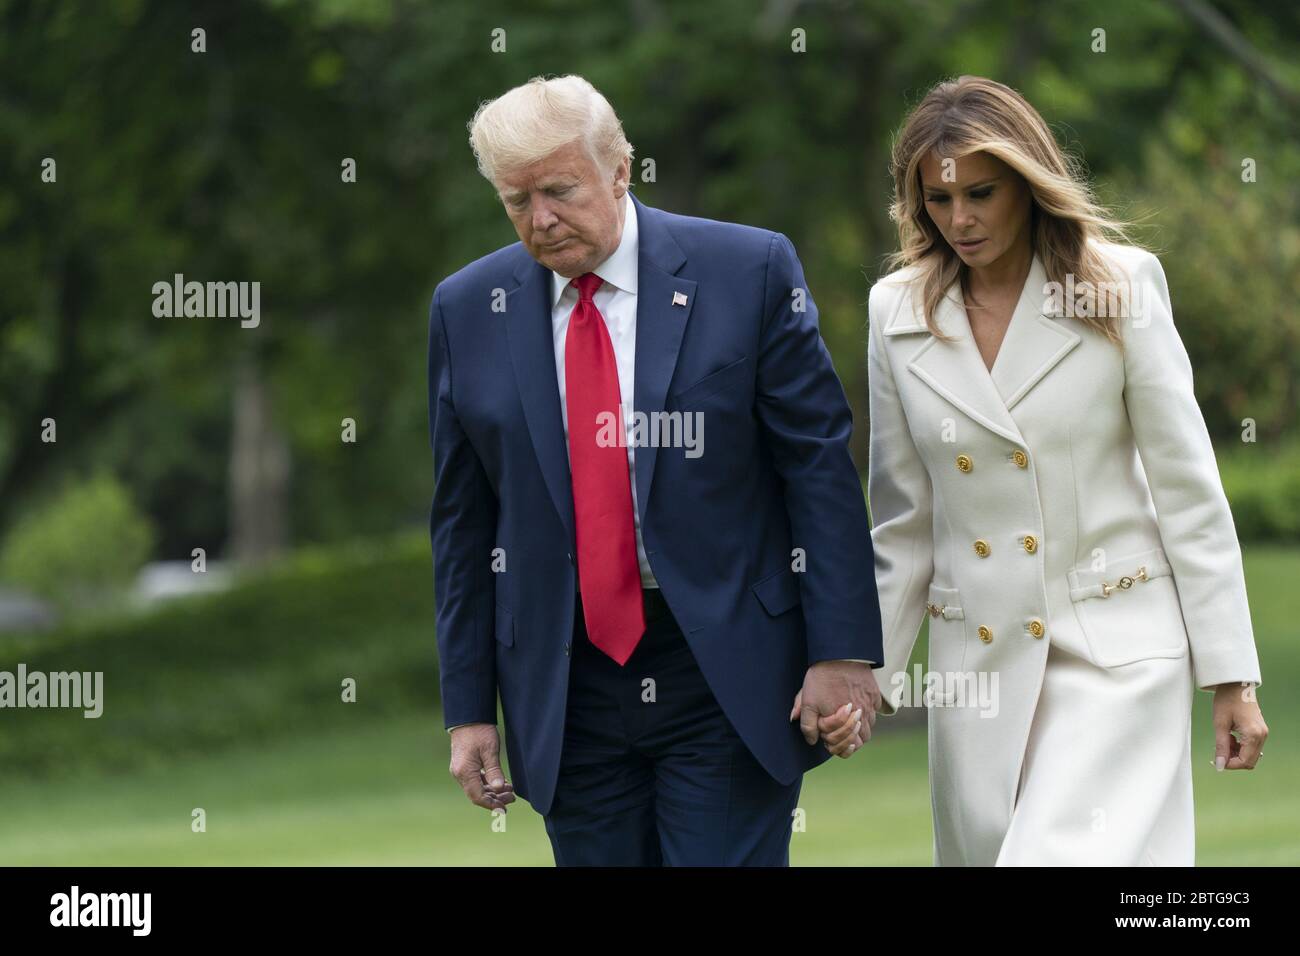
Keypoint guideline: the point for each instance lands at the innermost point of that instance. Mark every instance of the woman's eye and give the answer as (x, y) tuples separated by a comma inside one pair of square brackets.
[(981, 193), (940, 199)]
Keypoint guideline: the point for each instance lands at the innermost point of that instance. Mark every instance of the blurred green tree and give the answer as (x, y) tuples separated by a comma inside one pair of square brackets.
[(226, 165)]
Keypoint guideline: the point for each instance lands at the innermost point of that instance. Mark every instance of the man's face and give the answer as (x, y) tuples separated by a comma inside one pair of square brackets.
[(568, 214)]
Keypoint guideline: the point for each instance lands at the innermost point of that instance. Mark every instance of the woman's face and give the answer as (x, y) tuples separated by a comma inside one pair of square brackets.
[(981, 205)]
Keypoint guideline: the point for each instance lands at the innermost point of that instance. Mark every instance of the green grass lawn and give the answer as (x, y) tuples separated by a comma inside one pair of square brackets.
[(375, 790), (382, 796)]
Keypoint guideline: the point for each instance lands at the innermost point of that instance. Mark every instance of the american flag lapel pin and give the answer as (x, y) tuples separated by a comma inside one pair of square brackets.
[(679, 298)]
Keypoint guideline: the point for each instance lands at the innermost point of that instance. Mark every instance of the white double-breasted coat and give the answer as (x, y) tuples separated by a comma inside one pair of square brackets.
[(1061, 519)]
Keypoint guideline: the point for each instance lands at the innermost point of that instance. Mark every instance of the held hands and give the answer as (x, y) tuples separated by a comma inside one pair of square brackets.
[(476, 765), (843, 728), (1236, 712)]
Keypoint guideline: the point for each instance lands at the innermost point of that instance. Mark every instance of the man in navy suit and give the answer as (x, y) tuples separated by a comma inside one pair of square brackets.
[(648, 534)]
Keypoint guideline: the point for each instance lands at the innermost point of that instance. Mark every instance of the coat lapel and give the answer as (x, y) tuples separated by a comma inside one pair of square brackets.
[(1034, 342), (532, 353), (955, 370), (660, 326), (1032, 346)]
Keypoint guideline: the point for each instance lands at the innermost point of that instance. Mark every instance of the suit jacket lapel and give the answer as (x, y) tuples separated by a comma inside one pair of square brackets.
[(532, 353), (660, 326)]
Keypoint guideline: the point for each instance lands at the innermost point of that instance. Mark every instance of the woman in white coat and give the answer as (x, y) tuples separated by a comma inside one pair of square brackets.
[(1043, 486)]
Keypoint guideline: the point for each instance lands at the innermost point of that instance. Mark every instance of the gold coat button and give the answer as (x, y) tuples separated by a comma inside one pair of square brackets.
[(982, 548), (1031, 543), (985, 634), (1020, 458), (964, 463), (1036, 628)]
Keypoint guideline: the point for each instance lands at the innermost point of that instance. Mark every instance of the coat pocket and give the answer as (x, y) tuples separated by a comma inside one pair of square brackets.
[(504, 627), (947, 657), (1130, 612)]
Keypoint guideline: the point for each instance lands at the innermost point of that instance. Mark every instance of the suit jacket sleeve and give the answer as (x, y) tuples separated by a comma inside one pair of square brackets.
[(901, 499), (462, 528), (806, 418), (1196, 526)]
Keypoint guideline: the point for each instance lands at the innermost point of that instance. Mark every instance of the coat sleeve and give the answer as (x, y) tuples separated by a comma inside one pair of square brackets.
[(805, 416), (462, 528), (901, 501), (1196, 526)]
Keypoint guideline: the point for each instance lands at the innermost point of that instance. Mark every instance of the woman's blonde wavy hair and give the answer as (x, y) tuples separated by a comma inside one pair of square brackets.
[(972, 114)]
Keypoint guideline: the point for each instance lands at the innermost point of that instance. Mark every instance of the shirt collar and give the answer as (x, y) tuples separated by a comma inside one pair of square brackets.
[(620, 269)]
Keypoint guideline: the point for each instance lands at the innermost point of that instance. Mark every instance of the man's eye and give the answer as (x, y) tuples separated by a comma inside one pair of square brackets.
[(517, 203)]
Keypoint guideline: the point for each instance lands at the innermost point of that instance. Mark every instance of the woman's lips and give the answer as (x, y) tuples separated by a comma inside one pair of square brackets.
[(968, 245)]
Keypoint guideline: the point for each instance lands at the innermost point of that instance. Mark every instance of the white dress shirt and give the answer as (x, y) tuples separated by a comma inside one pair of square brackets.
[(616, 300)]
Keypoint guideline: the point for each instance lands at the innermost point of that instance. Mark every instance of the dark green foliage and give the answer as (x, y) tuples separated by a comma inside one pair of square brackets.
[(225, 165)]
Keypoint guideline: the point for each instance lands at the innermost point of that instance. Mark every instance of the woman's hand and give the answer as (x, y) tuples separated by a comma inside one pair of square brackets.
[(1239, 728), (841, 732)]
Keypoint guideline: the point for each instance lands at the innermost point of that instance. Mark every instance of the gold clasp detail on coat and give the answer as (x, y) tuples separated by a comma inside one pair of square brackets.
[(935, 609), (1125, 582)]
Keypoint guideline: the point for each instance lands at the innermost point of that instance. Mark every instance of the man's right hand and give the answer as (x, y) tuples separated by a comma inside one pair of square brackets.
[(476, 765)]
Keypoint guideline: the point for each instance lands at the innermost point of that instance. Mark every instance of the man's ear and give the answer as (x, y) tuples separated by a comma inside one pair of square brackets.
[(622, 176)]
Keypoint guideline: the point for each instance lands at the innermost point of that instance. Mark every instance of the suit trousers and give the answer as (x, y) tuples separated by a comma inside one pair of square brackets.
[(652, 773)]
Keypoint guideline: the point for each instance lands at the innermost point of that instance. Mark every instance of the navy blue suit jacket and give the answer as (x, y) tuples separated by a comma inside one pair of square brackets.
[(720, 530)]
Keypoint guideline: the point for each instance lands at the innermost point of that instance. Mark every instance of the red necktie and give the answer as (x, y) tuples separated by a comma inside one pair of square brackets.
[(608, 573)]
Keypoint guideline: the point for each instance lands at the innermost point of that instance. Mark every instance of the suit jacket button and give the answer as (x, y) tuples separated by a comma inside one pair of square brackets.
[(1031, 543), (566, 648), (1036, 627), (982, 548), (964, 463), (1020, 458), (986, 635)]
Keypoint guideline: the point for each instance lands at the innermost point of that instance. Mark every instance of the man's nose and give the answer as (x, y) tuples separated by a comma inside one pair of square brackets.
[(543, 216)]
